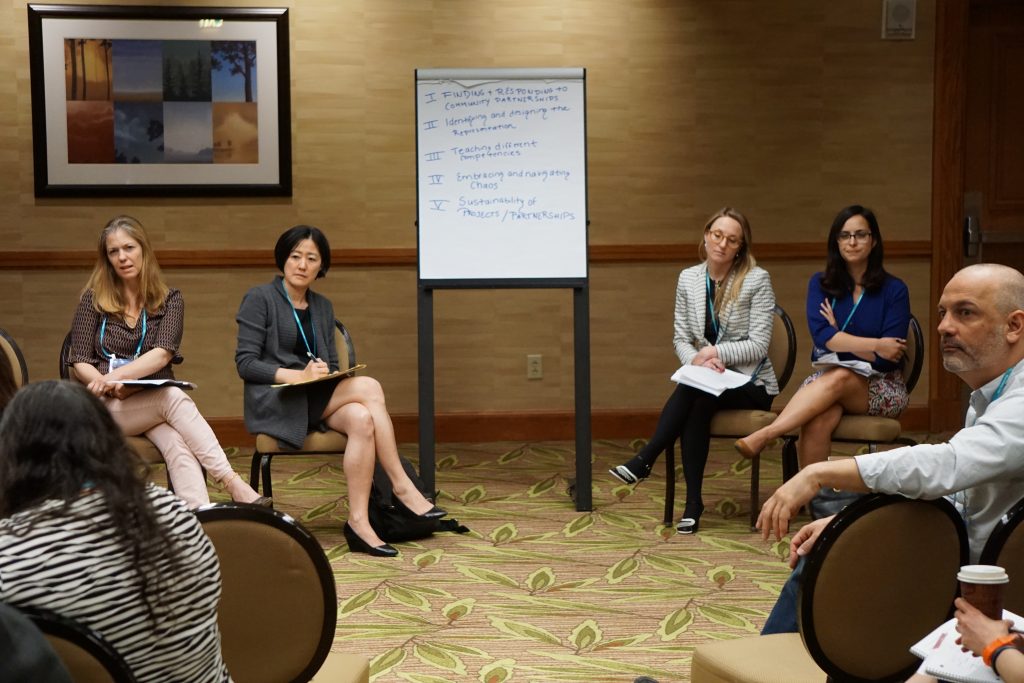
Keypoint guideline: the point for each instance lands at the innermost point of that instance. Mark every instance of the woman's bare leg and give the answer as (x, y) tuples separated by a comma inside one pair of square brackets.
[(815, 442), (835, 387), (367, 392), (356, 421)]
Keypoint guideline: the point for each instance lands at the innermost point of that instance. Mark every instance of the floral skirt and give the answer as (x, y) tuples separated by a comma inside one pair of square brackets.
[(887, 394)]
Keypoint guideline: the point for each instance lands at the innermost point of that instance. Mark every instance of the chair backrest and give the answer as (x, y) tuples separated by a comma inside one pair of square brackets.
[(10, 348), (1005, 547), (782, 347), (915, 354), (87, 656), (881, 575), (64, 370), (346, 349), (278, 605)]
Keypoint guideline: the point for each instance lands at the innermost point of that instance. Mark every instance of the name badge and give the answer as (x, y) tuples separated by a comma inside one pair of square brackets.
[(115, 362)]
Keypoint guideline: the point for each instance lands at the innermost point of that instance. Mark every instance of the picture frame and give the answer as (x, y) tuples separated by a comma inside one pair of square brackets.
[(160, 101)]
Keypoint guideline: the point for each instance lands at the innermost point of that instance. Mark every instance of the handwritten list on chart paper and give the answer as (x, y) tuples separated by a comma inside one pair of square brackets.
[(502, 178)]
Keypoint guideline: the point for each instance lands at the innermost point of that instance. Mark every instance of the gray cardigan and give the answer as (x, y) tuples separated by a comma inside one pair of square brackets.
[(267, 335)]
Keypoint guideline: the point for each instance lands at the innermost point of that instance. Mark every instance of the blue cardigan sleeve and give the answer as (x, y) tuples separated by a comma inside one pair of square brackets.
[(821, 331)]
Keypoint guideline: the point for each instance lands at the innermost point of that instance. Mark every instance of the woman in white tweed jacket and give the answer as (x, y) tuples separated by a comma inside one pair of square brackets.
[(723, 319)]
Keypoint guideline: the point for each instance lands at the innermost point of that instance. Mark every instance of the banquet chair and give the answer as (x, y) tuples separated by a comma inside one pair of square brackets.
[(1005, 547), (278, 606), (316, 443), (733, 424), (143, 447), (10, 348), (881, 575), (87, 655), (871, 429)]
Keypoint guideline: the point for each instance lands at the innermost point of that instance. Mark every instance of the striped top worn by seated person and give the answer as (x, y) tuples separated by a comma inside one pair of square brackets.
[(71, 564)]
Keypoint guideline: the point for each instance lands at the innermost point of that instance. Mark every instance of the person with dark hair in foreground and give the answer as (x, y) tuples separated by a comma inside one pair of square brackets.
[(83, 535), (981, 468), (856, 311), (285, 336)]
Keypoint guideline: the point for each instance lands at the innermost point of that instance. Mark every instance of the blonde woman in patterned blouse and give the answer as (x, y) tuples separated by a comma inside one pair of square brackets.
[(128, 325)]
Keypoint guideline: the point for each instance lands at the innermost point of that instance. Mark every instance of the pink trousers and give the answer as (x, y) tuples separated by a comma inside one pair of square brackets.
[(171, 420)]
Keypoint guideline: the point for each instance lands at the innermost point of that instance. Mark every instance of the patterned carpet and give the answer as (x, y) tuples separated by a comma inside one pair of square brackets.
[(538, 591)]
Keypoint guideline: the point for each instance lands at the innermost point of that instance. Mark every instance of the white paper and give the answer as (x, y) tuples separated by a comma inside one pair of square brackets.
[(708, 380), (946, 660), (829, 360)]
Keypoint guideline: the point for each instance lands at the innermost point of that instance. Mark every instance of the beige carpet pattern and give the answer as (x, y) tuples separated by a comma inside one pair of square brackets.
[(538, 591)]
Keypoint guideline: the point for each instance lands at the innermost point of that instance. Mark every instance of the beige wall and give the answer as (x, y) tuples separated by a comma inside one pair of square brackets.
[(786, 110)]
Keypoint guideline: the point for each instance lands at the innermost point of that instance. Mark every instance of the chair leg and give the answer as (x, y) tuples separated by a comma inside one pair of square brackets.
[(268, 490), (755, 490), (254, 471), (670, 482), (790, 460)]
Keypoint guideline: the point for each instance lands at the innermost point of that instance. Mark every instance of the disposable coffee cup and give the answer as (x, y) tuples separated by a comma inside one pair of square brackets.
[(983, 585)]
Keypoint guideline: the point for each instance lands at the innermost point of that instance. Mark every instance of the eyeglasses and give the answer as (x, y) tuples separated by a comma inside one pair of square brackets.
[(859, 236), (717, 236)]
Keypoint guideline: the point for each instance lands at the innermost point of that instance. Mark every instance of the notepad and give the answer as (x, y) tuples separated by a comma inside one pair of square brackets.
[(944, 659), (153, 383), (323, 378), (708, 380), (830, 360)]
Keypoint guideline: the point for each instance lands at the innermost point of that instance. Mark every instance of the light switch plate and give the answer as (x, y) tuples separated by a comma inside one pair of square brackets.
[(899, 19)]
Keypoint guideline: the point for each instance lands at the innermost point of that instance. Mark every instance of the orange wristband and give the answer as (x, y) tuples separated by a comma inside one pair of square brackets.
[(990, 649)]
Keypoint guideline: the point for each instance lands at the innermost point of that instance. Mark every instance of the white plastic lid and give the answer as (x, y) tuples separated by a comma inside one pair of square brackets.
[(982, 573)]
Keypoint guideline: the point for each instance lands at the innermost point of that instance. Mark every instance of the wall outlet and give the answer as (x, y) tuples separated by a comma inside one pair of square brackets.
[(534, 366)]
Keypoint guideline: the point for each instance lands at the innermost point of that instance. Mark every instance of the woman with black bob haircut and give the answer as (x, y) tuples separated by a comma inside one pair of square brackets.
[(286, 336), (856, 311), (83, 534)]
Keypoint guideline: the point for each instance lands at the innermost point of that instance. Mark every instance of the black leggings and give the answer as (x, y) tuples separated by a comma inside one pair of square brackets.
[(688, 413)]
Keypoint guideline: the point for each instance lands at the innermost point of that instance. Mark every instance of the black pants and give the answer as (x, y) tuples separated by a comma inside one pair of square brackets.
[(687, 414)]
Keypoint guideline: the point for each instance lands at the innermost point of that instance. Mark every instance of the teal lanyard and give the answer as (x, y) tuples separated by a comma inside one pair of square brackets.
[(714, 322), (1002, 385), (310, 350), (103, 333), (852, 310), (711, 308)]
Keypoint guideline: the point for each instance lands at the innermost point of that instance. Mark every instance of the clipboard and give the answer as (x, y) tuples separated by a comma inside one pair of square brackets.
[(334, 375)]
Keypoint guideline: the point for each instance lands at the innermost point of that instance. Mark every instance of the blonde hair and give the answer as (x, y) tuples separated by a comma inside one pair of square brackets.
[(744, 260), (105, 283)]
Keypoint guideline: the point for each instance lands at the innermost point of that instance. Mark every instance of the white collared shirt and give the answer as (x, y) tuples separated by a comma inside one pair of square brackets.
[(981, 466)]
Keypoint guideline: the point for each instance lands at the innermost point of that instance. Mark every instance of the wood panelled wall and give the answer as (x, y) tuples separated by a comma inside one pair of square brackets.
[(788, 111)]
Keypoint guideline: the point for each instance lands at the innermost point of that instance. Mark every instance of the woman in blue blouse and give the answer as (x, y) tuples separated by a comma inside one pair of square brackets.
[(859, 312)]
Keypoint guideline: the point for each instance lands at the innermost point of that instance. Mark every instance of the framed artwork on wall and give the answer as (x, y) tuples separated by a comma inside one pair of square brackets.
[(160, 101)]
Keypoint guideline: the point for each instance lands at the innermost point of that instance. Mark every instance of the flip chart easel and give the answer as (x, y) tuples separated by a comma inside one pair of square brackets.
[(502, 203)]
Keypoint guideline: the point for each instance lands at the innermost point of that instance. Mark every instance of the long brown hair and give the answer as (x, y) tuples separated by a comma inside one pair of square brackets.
[(104, 282), (744, 259)]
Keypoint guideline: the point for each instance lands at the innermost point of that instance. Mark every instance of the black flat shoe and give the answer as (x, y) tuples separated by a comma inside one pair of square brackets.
[(632, 472), (690, 521), (358, 545), (264, 502)]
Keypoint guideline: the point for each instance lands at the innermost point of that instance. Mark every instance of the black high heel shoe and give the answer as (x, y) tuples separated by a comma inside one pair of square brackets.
[(433, 513), (358, 545), (690, 521)]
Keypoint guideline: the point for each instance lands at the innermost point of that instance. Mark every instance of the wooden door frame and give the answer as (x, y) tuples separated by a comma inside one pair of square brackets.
[(949, 120)]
